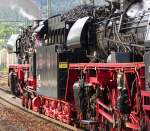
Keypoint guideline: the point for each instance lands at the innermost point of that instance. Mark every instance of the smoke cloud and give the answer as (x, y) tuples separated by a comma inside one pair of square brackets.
[(96, 2), (26, 8)]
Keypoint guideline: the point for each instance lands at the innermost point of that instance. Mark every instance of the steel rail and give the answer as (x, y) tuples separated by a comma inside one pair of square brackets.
[(18, 106)]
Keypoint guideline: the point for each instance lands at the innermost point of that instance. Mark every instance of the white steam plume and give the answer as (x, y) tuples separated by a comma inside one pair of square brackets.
[(25, 7)]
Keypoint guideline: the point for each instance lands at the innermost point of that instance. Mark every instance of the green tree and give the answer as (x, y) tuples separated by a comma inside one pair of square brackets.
[(6, 30)]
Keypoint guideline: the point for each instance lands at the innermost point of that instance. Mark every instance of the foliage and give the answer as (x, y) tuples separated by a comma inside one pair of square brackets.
[(9, 28), (5, 29), (5, 32)]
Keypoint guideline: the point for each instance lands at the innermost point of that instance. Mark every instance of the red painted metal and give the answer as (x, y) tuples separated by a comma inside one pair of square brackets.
[(92, 80), (57, 109), (36, 104), (145, 94), (17, 66), (32, 83), (105, 77), (108, 66), (146, 107), (22, 100), (103, 105), (133, 126), (104, 114)]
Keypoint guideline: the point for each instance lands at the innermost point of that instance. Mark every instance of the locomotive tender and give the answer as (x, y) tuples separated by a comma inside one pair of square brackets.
[(88, 66)]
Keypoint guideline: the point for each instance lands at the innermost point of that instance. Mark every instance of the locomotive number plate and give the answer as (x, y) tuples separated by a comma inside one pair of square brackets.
[(63, 65)]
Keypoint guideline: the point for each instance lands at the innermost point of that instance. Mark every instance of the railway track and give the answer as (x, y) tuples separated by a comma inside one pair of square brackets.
[(7, 99)]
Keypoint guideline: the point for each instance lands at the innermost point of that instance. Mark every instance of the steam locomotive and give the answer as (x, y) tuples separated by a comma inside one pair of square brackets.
[(88, 66)]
